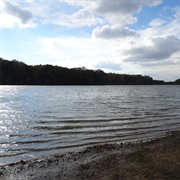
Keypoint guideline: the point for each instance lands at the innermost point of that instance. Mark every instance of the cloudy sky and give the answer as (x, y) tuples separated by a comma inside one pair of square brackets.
[(121, 36)]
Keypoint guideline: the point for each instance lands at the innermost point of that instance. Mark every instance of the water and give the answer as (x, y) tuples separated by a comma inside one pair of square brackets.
[(37, 121)]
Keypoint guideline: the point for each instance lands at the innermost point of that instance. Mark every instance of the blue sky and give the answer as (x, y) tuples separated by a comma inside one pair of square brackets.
[(121, 36)]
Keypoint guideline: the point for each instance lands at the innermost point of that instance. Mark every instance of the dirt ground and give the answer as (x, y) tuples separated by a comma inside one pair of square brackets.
[(158, 158)]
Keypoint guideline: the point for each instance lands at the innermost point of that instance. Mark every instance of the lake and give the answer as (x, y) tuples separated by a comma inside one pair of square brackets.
[(37, 121)]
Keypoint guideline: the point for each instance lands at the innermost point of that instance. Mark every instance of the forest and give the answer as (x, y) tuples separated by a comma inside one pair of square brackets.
[(18, 73)]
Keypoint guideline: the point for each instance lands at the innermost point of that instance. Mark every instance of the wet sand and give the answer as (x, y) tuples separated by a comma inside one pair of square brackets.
[(157, 158)]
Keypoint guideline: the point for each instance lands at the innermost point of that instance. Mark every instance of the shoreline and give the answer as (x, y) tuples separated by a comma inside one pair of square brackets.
[(153, 158)]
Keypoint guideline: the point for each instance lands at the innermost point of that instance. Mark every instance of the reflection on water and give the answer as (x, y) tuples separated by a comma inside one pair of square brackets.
[(44, 120)]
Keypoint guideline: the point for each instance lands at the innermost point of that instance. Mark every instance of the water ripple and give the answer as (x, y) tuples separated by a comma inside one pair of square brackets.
[(37, 121)]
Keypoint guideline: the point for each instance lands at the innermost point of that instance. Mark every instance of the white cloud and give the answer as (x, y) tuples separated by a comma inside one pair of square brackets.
[(73, 52), (177, 12), (110, 32), (78, 3), (7, 21), (166, 70), (14, 10), (93, 12), (174, 26), (158, 49), (78, 19), (120, 12), (124, 7), (89, 52), (14, 15), (86, 13), (29, 1), (168, 26), (157, 22)]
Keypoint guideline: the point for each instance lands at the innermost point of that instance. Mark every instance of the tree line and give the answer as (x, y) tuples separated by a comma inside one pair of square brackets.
[(18, 73)]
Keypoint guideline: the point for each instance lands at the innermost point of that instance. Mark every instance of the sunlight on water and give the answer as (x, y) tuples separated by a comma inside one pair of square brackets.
[(44, 120)]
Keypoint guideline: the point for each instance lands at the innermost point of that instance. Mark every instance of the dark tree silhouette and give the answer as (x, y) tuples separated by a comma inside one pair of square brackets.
[(18, 73), (177, 82)]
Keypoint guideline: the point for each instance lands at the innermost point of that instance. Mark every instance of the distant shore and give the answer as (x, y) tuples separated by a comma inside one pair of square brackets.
[(18, 73), (157, 158)]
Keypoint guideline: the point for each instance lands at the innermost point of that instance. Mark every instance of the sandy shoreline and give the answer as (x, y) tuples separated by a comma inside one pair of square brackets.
[(157, 158)]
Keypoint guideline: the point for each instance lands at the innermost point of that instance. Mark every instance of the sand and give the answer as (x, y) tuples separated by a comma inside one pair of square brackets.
[(157, 158)]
